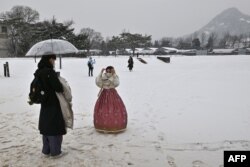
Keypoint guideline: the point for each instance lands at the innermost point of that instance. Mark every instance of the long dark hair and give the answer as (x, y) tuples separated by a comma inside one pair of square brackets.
[(44, 62)]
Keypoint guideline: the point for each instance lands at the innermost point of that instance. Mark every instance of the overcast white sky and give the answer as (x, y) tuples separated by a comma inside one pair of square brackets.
[(158, 18)]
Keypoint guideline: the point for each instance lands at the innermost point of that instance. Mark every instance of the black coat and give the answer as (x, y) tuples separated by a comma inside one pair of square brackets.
[(130, 63), (51, 122)]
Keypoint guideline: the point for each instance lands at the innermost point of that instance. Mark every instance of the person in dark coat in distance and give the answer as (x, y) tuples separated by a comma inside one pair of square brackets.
[(51, 122), (130, 63)]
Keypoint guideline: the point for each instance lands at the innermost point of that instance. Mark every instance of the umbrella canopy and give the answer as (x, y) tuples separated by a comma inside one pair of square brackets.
[(56, 46)]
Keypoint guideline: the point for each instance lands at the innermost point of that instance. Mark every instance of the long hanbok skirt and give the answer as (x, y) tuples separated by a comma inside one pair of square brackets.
[(110, 113)]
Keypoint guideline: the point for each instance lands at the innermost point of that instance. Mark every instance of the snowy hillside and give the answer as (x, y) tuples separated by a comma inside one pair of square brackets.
[(229, 21)]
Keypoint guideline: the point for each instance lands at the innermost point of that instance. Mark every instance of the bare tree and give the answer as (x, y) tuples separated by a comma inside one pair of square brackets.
[(234, 40), (18, 20), (23, 13), (203, 39), (94, 39), (166, 42), (241, 38), (211, 40), (184, 43), (225, 40), (156, 44)]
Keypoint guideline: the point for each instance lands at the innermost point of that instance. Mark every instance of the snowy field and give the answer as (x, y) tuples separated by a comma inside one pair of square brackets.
[(182, 114)]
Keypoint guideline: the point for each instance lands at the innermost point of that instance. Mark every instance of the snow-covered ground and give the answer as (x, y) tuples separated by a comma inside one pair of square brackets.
[(182, 114)]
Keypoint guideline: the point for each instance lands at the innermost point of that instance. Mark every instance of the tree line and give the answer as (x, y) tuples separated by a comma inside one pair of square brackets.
[(206, 41), (25, 29)]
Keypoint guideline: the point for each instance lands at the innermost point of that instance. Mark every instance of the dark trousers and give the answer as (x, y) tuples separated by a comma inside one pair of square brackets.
[(52, 145), (90, 71)]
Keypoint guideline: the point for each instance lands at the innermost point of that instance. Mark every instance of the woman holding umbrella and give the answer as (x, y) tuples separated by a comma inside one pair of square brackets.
[(110, 113), (51, 122)]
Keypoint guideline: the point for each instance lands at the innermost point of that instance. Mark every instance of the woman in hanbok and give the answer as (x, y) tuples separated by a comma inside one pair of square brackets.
[(110, 113)]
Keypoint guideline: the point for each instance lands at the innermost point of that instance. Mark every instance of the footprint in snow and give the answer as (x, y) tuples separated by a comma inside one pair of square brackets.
[(171, 161), (198, 163)]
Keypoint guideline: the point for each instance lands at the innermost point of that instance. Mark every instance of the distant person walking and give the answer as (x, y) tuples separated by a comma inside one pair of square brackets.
[(91, 63), (110, 113), (51, 122), (130, 63)]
